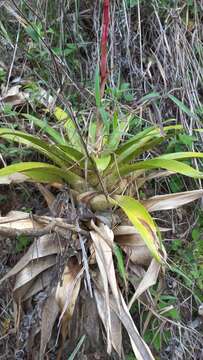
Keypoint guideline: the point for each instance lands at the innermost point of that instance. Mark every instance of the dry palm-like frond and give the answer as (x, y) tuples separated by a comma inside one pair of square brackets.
[(35, 272)]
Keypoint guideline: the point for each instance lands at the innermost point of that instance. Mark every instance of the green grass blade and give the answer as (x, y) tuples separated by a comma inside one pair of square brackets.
[(55, 135), (150, 96), (119, 128), (182, 106), (75, 351)]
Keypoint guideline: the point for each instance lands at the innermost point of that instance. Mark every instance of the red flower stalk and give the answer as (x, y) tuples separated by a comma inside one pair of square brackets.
[(104, 41)]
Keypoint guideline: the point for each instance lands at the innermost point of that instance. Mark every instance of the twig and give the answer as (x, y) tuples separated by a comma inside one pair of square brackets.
[(53, 225)]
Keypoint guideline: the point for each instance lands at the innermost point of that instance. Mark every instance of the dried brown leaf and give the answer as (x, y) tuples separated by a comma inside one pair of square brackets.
[(14, 96), (97, 239), (42, 247), (140, 348), (39, 284), (116, 334), (104, 255), (133, 245), (149, 279), (49, 314), (68, 289), (138, 254), (29, 273), (171, 201), (48, 196)]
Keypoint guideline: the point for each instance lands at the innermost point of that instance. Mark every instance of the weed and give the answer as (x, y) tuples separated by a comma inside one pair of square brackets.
[(22, 243), (2, 75)]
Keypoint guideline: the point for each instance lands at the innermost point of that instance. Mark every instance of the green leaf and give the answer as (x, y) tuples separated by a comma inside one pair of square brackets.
[(22, 242), (182, 106), (69, 49), (53, 152), (60, 114), (150, 96), (143, 141), (35, 32), (187, 140), (181, 155), (42, 172), (171, 165), (105, 117), (102, 162), (46, 128), (119, 128), (142, 222), (71, 130), (92, 129), (120, 262), (172, 314)]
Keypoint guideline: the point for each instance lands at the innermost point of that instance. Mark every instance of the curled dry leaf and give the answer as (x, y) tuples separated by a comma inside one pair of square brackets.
[(14, 96), (135, 275), (140, 348), (138, 253), (172, 201), (67, 293), (66, 296), (130, 230), (104, 280), (133, 245)]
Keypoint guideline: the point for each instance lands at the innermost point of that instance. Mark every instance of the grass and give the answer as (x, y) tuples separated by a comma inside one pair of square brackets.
[(153, 76)]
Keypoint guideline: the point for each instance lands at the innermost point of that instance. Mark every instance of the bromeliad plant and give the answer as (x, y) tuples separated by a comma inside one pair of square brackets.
[(98, 173), (102, 178)]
